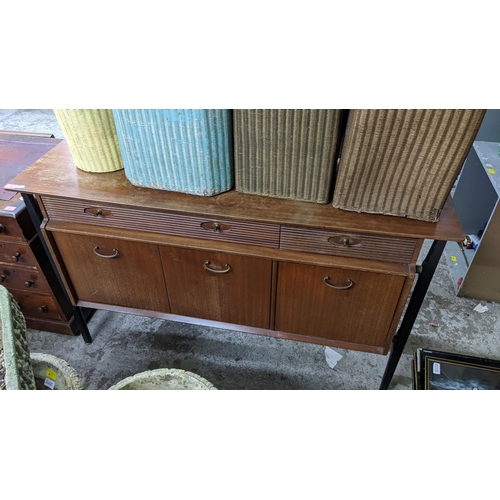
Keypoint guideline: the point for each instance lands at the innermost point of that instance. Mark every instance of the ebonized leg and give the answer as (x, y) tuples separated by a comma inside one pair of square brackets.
[(423, 281), (52, 275)]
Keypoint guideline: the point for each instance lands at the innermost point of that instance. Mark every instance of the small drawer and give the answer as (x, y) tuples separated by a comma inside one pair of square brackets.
[(10, 229), (17, 253), (41, 306), (250, 233), (23, 279), (345, 244)]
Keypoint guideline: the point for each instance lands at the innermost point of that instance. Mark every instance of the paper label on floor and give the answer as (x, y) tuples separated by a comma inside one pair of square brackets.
[(332, 357), (480, 308), (436, 368), (49, 383)]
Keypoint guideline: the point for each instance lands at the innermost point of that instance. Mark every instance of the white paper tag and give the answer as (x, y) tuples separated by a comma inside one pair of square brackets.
[(49, 383), (332, 357), (9, 208), (14, 186), (436, 368), (480, 308)]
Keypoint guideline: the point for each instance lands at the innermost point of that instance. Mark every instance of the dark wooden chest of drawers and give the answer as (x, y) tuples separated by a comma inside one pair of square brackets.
[(24, 267)]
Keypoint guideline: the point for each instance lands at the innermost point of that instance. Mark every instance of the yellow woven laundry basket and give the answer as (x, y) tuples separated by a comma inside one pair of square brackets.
[(92, 139)]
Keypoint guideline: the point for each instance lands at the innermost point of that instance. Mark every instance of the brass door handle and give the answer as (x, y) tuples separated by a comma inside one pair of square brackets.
[(112, 256), (206, 265), (326, 278)]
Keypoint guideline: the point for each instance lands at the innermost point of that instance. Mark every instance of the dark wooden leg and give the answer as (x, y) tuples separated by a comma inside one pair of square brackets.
[(52, 274), (423, 281)]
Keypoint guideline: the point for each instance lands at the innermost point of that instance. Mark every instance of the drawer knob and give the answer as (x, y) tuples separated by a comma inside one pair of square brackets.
[(344, 241), (349, 281), (29, 283), (2, 228), (112, 256), (3, 278), (206, 265), (43, 309), (16, 256)]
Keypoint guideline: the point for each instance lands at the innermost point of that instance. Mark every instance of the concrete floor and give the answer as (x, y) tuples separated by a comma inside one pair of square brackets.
[(125, 344)]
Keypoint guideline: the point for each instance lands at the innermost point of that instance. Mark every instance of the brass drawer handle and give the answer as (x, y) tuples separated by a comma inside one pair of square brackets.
[(206, 265), (106, 256), (16, 256), (326, 278), (29, 283), (216, 227), (345, 241), (95, 212)]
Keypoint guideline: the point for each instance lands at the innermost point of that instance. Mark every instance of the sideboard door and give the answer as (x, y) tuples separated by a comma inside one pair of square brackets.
[(337, 304), (218, 286), (112, 271)]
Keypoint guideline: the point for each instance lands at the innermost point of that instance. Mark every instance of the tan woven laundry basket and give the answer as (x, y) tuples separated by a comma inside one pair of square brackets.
[(403, 162)]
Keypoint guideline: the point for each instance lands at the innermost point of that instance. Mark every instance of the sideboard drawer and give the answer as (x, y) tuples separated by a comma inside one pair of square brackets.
[(250, 233), (363, 246)]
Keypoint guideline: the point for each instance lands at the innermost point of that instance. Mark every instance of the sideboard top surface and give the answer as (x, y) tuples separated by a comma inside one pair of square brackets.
[(55, 174)]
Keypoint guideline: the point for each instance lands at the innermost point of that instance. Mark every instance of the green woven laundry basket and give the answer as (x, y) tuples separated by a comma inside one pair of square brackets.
[(91, 137), (286, 153)]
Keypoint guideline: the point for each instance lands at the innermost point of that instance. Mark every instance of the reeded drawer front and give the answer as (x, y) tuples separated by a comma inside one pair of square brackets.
[(16, 252), (362, 246), (41, 306), (23, 279), (250, 233)]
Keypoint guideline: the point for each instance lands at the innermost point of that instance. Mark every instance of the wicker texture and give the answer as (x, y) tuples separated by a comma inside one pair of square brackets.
[(403, 162), (164, 379), (67, 379), (24, 369), (18, 371), (92, 139), (183, 150), (286, 153)]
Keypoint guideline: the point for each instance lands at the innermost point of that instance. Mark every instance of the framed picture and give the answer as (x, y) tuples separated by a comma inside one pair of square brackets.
[(436, 370)]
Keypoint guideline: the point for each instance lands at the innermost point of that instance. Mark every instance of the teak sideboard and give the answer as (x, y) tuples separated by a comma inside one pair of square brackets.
[(275, 267)]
